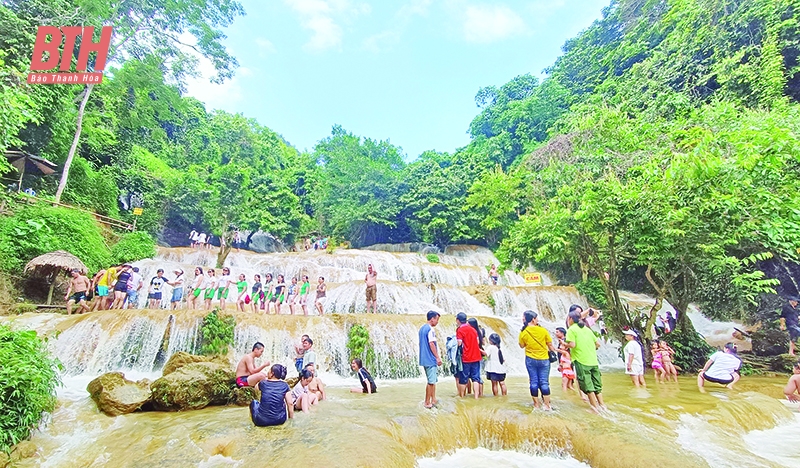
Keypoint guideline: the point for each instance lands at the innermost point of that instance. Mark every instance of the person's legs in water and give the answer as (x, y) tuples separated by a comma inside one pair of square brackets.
[(736, 378), (533, 379), (302, 403), (544, 382), (503, 388), (701, 382), (495, 384)]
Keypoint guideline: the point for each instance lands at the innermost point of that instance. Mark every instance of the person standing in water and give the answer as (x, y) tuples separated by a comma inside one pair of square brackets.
[(632, 354), (241, 288), (291, 294), (496, 367), (224, 287), (121, 286), (583, 343), (304, 291), (722, 368), (76, 293), (493, 276), (536, 341), (177, 288), (276, 400), (155, 291), (429, 356), (211, 287), (565, 361), (372, 288), (195, 297), (278, 298), (471, 355), (257, 293), (322, 290)]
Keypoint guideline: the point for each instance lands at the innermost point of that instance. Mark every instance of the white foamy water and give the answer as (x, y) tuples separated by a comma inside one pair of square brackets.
[(781, 444), (481, 457)]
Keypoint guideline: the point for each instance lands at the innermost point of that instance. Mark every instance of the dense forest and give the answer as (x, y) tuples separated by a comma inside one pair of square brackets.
[(660, 150)]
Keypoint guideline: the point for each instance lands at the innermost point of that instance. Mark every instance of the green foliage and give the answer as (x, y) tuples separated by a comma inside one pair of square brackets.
[(216, 333), (133, 246), (594, 292), (22, 308), (359, 345), (33, 230), (28, 379), (433, 258), (691, 350)]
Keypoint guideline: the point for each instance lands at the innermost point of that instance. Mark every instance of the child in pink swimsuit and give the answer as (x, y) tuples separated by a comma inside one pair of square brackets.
[(657, 364), (565, 361)]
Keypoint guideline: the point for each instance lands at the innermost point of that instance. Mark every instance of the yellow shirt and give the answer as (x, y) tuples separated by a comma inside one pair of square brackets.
[(109, 278), (535, 340)]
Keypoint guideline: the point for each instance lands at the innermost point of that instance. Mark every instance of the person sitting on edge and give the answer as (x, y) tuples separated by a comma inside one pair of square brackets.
[(316, 386), (303, 399), (309, 356), (792, 389), (247, 374), (367, 382), (299, 351), (276, 400), (722, 368)]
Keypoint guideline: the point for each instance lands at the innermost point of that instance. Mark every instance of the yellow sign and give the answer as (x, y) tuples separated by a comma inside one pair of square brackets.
[(137, 211), (533, 278)]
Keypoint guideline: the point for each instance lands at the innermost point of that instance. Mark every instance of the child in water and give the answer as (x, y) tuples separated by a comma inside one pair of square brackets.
[(367, 382), (496, 367), (565, 361), (302, 398), (657, 365), (276, 402)]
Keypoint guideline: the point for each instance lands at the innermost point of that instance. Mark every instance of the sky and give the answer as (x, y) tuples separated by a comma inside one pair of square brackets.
[(406, 71)]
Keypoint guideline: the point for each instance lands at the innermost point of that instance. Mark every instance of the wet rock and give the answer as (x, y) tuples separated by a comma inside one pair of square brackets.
[(783, 363), (180, 359), (24, 449), (194, 386), (114, 394), (261, 242), (243, 396), (769, 341)]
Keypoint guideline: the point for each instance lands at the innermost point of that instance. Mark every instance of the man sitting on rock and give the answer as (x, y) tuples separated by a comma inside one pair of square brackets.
[(247, 374)]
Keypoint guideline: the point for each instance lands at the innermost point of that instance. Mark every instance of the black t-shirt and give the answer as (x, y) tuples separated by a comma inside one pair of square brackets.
[(271, 410), (256, 287), (364, 376), (790, 314)]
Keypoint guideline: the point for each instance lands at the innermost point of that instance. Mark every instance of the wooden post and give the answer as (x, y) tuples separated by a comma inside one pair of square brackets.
[(52, 286)]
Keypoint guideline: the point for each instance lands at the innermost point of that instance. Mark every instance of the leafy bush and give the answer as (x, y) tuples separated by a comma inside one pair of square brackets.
[(28, 378), (216, 334), (691, 350), (594, 292), (92, 189), (433, 258), (133, 246), (34, 230), (22, 308), (359, 345)]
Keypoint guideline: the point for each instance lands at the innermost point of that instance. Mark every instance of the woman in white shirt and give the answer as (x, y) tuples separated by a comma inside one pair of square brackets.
[(496, 367), (722, 368)]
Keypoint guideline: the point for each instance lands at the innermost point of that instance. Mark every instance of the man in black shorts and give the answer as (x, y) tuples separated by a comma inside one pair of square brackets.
[(790, 321), (76, 294)]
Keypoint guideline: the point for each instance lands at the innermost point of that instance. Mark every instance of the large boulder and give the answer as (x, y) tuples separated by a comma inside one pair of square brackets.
[(115, 395), (194, 384), (180, 359)]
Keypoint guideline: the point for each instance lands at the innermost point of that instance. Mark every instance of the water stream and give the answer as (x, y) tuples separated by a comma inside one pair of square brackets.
[(665, 425)]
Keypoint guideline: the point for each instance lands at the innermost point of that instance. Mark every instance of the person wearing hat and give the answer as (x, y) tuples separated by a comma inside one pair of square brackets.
[(790, 321), (632, 353), (177, 288), (722, 368)]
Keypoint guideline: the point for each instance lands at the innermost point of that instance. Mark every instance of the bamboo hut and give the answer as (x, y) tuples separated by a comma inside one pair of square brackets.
[(49, 265)]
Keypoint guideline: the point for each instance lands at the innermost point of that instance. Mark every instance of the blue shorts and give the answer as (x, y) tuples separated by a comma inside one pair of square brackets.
[(431, 372), (177, 294), (102, 291), (472, 371), (133, 296)]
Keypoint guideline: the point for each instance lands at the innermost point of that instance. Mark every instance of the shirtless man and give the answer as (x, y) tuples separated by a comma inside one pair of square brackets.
[(315, 385), (792, 389), (372, 287), (76, 293), (247, 374)]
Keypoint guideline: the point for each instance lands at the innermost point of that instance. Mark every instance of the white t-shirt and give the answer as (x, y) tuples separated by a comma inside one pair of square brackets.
[(201, 238), (633, 347), (223, 281), (724, 365), (299, 390), (494, 365)]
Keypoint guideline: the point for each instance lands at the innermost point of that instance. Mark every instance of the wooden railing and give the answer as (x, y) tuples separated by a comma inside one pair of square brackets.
[(107, 220)]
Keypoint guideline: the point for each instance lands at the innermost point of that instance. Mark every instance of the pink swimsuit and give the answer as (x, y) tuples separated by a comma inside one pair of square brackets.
[(657, 361)]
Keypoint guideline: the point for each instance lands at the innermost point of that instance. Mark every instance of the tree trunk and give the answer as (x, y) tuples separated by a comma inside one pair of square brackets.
[(223, 254), (62, 184)]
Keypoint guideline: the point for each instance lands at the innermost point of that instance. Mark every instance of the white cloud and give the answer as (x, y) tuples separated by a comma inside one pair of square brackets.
[(265, 46), (402, 18), (216, 96), (491, 23), (322, 18)]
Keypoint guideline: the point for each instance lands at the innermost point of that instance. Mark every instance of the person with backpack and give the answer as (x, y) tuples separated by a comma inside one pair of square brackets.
[(538, 345)]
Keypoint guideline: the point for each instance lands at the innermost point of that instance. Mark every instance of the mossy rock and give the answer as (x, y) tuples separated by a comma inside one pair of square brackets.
[(180, 359), (783, 363), (243, 396), (194, 386), (114, 394)]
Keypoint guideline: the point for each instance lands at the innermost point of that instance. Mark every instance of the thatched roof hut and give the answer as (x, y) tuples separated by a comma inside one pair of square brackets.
[(51, 264)]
